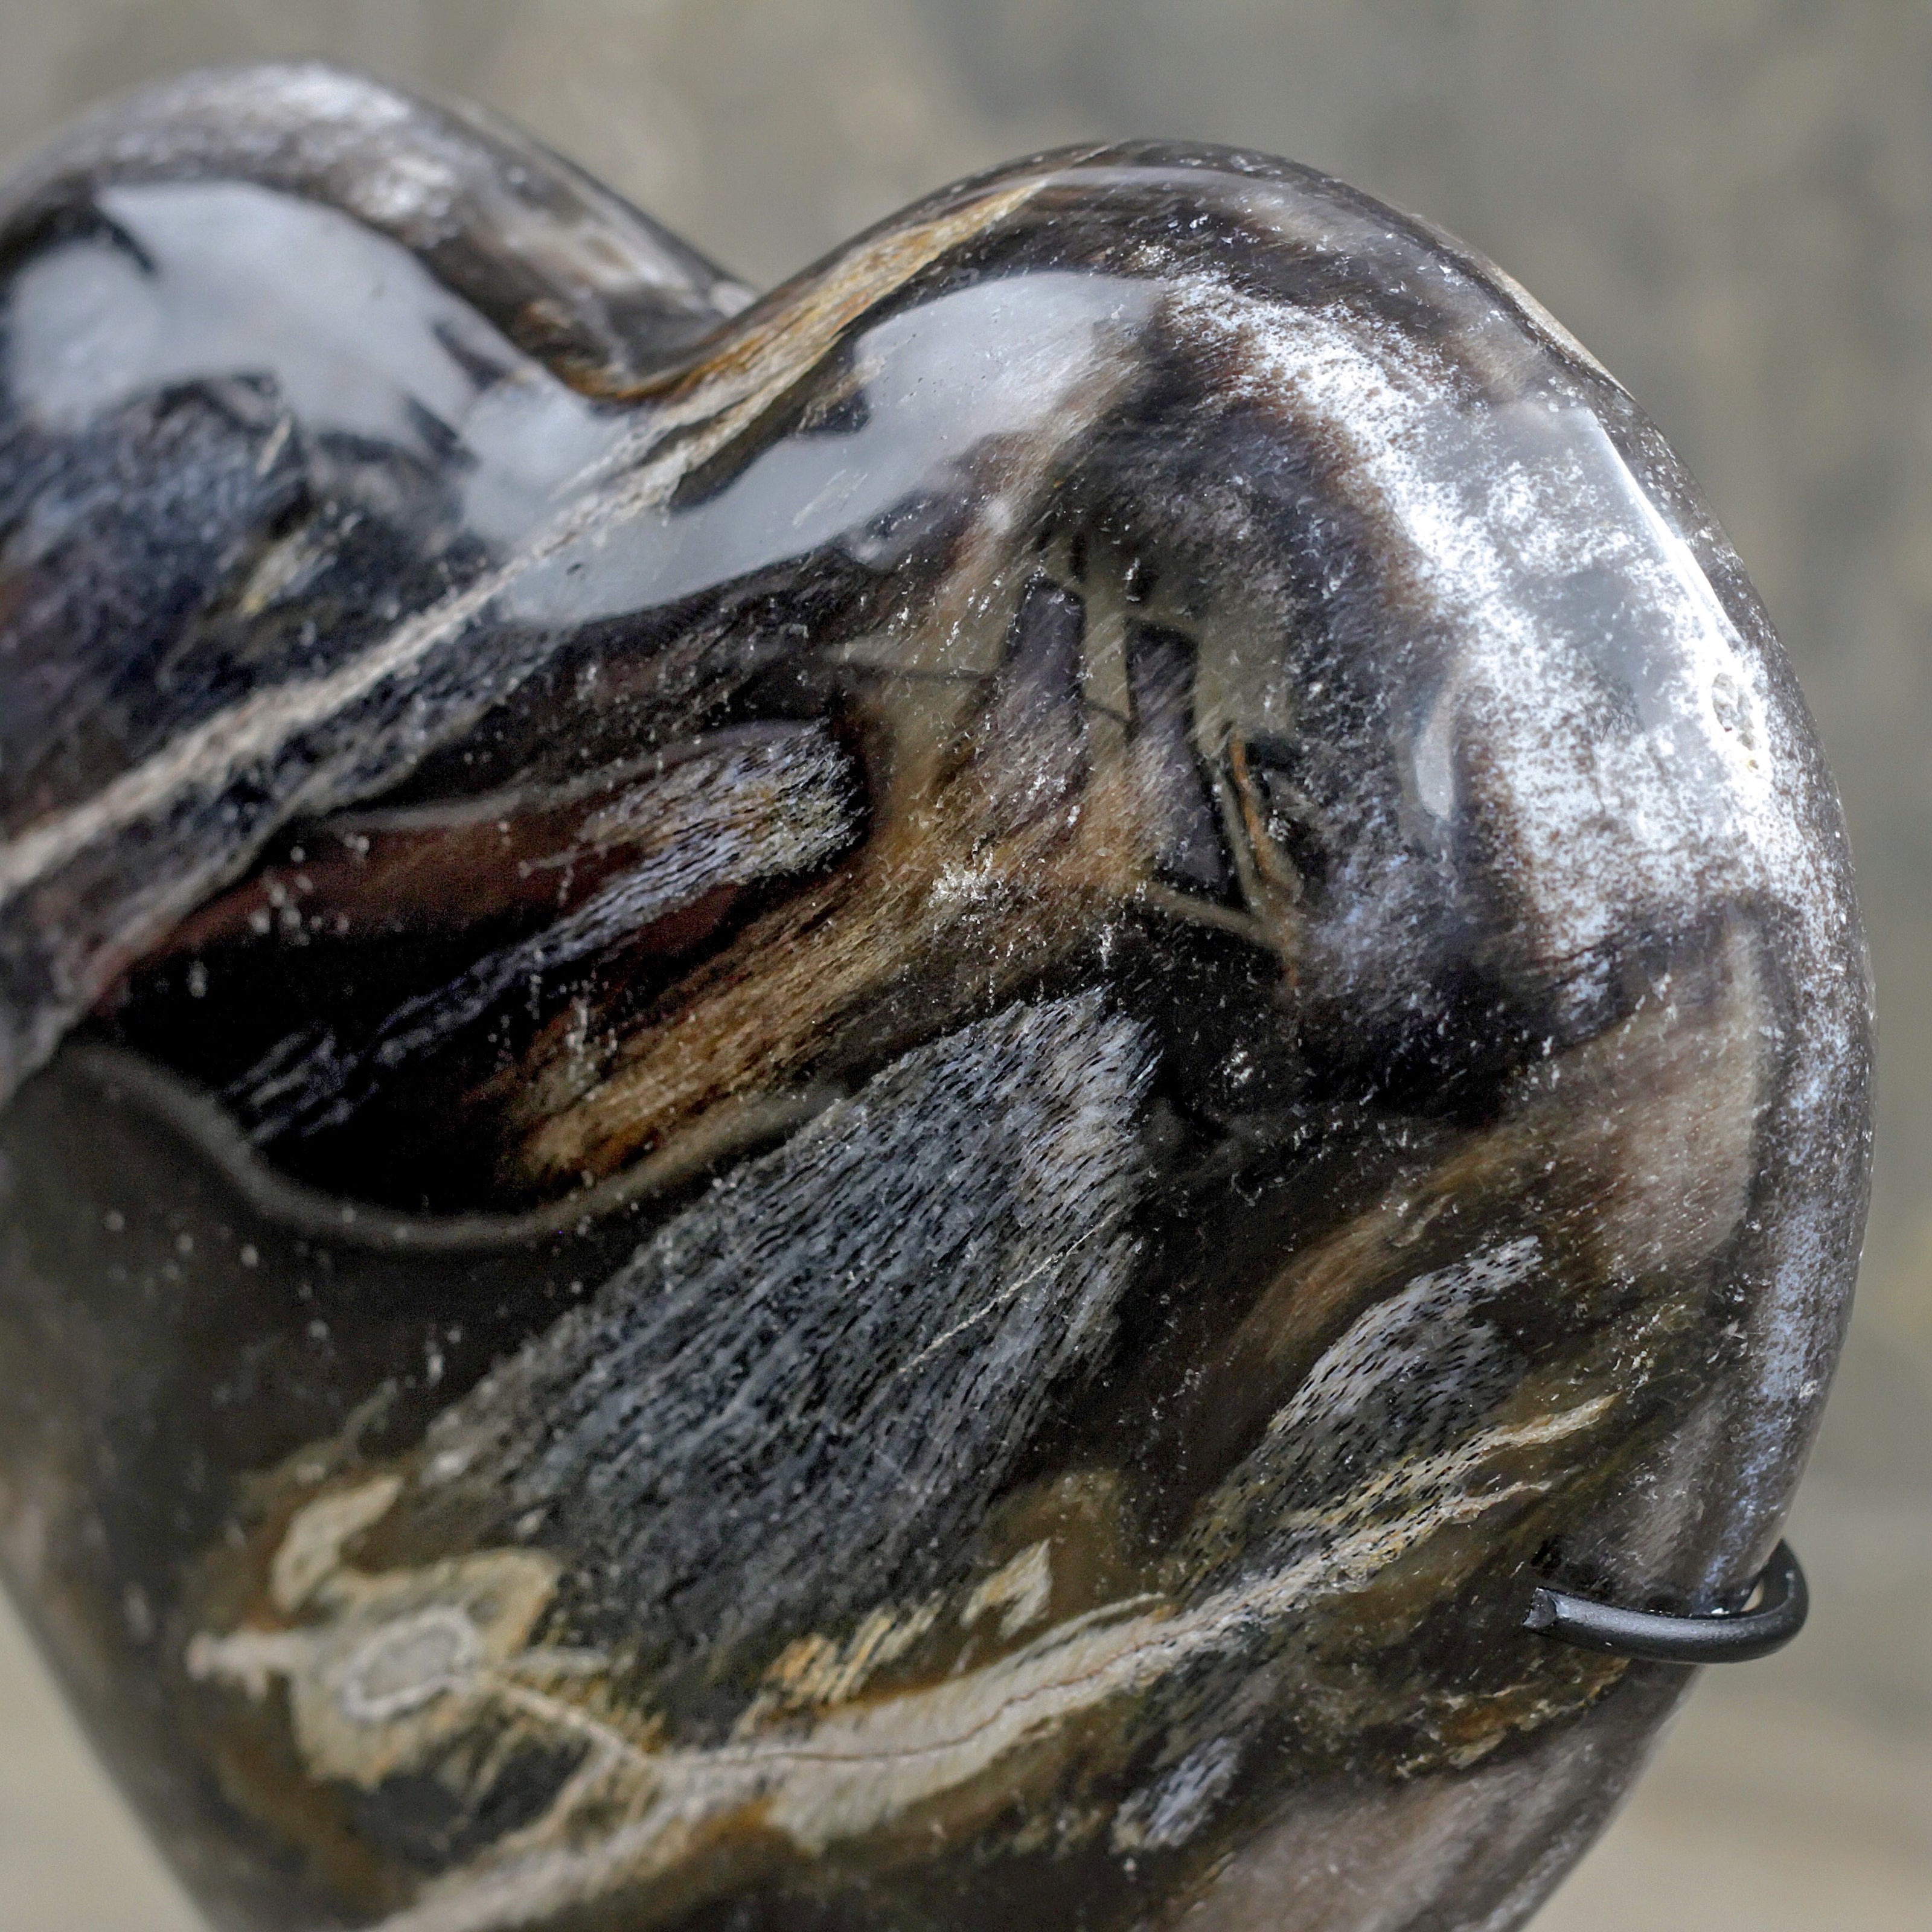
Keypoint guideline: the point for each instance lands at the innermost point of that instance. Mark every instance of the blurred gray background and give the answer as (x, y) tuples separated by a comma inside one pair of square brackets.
[(1730, 201)]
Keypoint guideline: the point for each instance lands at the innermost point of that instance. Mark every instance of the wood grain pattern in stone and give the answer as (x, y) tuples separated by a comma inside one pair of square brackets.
[(865, 1109)]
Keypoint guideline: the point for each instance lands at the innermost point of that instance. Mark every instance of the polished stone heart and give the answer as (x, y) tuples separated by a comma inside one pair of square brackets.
[(870, 1109)]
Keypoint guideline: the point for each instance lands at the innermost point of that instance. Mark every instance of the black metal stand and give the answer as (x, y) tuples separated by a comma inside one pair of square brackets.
[(1773, 1614)]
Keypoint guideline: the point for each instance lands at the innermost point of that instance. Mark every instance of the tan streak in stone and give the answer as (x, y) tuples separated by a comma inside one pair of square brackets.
[(311, 1549), (232, 740), (1671, 1101), (791, 329), (796, 976), (857, 1771), (816, 1670)]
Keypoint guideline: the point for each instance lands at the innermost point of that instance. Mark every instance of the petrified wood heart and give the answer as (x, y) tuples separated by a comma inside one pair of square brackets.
[(870, 1109)]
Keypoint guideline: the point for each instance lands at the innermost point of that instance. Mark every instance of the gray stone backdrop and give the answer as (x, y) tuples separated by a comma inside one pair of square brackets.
[(1731, 202)]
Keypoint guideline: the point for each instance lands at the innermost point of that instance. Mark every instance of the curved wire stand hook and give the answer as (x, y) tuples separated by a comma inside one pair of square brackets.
[(1775, 1613)]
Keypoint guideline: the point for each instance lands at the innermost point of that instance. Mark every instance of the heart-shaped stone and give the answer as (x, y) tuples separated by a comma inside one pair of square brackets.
[(869, 1109)]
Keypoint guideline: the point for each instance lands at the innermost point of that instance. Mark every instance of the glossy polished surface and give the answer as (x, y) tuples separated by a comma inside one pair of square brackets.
[(868, 1113)]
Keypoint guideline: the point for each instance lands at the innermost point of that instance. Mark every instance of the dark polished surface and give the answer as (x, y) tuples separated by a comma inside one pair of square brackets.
[(884, 1112)]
